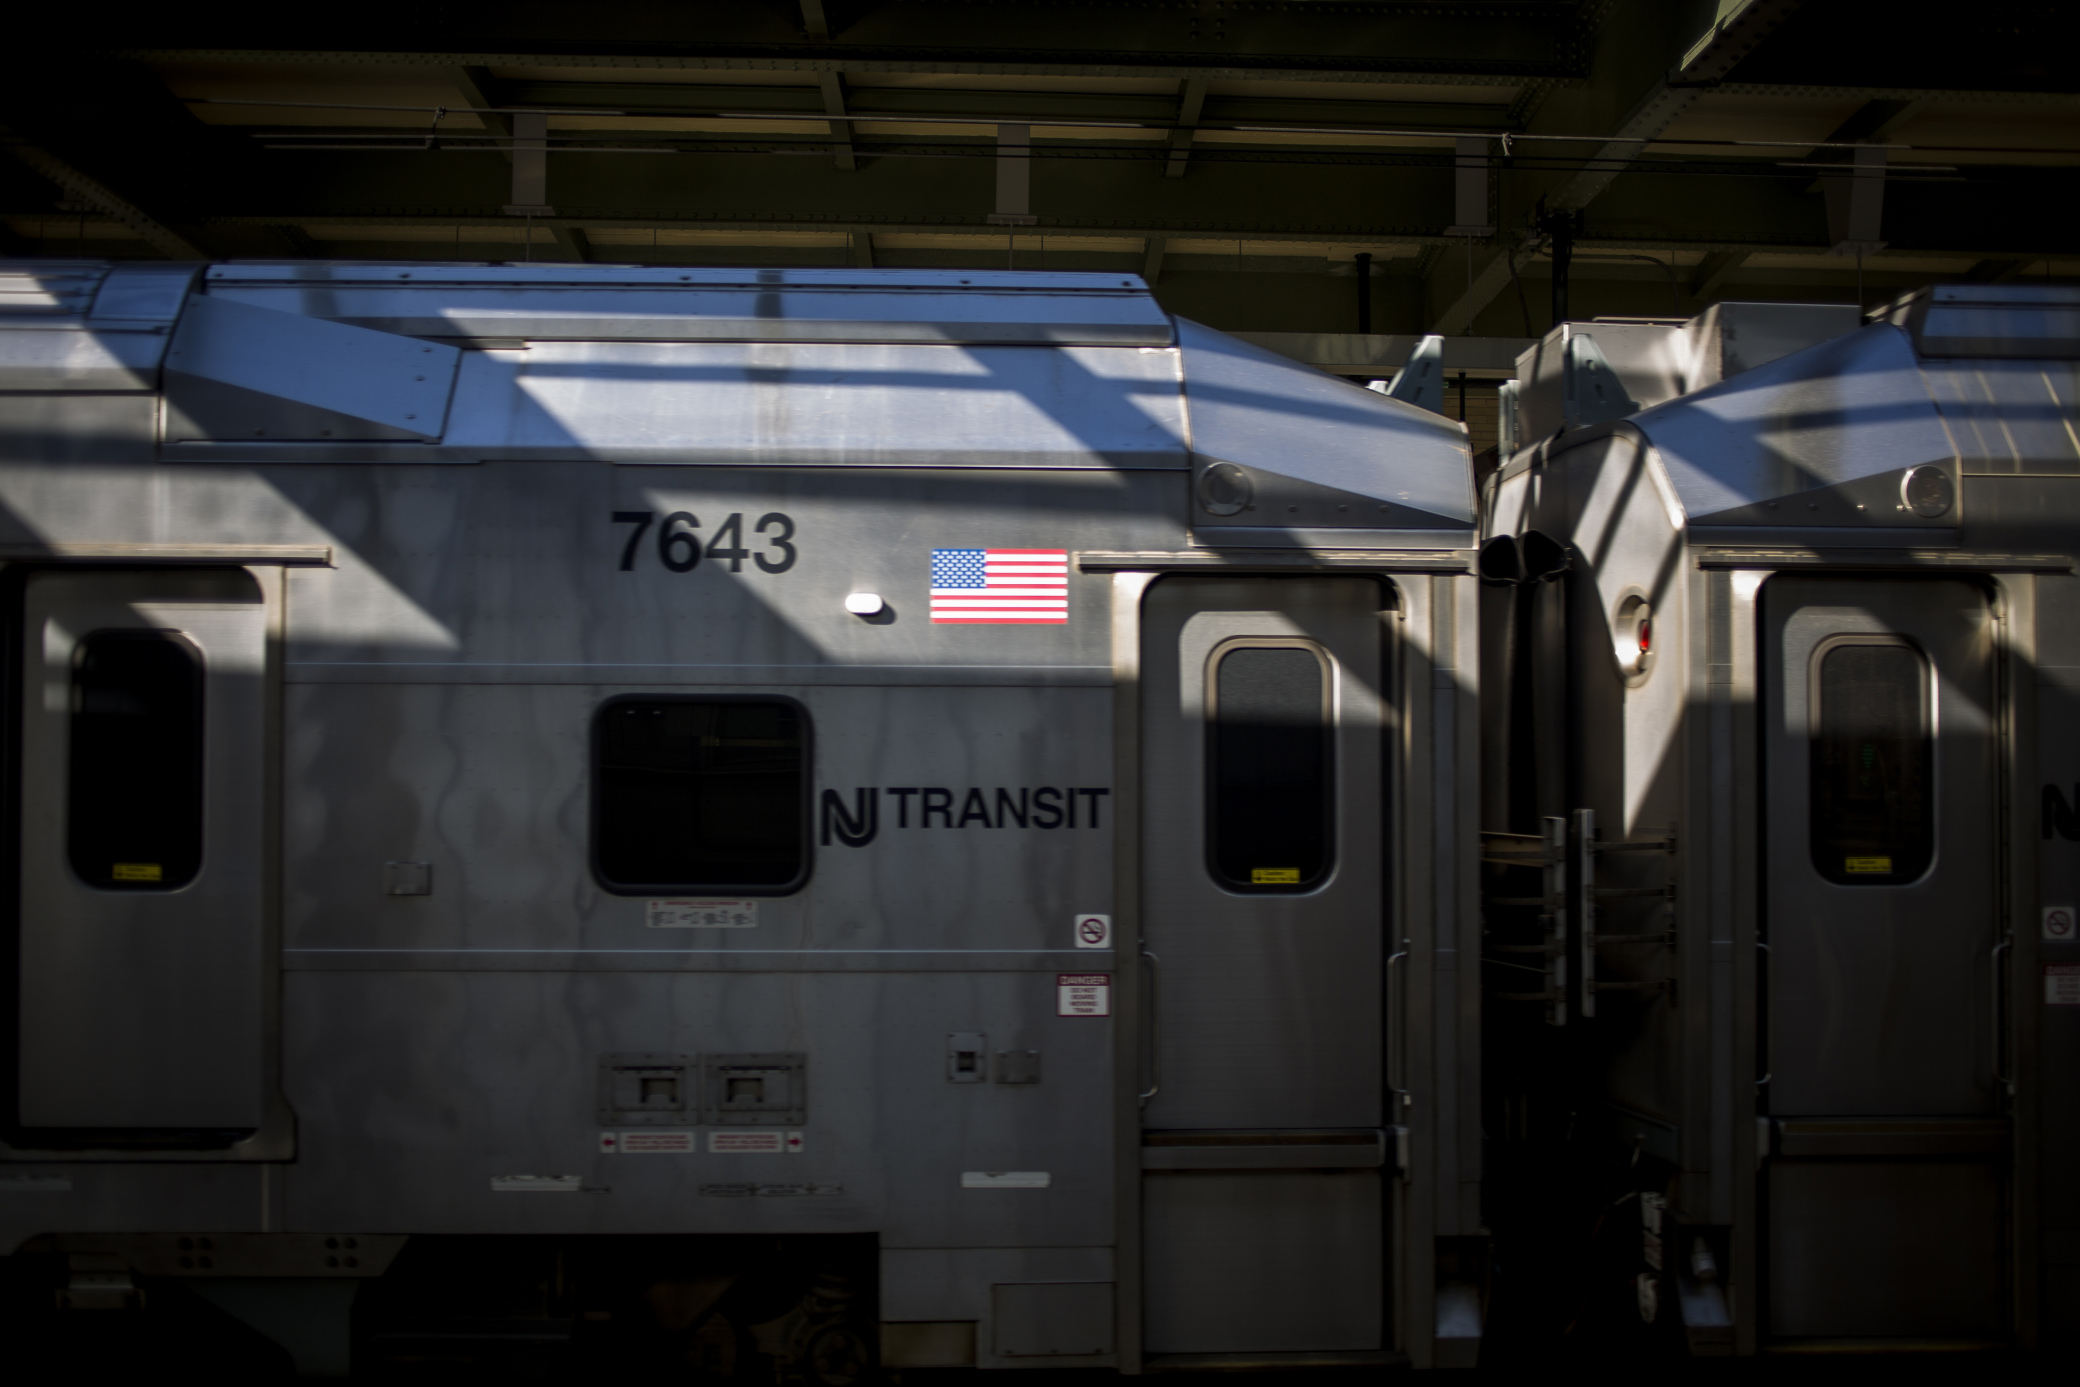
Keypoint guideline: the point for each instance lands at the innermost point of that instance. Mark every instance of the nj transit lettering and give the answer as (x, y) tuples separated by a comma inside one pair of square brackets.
[(2060, 814), (857, 823)]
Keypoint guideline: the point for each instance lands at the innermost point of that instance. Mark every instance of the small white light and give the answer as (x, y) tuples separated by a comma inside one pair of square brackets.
[(864, 603)]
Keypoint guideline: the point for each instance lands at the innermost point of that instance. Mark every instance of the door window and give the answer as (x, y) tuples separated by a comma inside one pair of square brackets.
[(1270, 815), (134, 778), (700, 794), (1872, 808)]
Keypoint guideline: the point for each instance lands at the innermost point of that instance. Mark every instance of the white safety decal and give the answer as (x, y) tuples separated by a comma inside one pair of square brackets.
[(735, 1143), (649, 1143), (692, 914), (1083, 994), (2062, 984), (1094, 931), (1003, 1179), (2058, 922), (537, 1184)]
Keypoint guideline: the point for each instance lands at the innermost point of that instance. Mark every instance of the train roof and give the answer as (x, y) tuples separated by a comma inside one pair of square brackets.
[(1846, 409), (448, 362), (1822, 437)]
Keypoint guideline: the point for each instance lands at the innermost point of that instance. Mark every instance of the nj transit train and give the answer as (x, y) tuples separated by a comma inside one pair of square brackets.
[(784, 819), (789, 821), (1781, 652)]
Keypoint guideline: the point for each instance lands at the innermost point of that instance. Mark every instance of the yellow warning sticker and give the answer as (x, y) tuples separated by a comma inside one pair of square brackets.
[(1867, 864), (136, 871), (1274, 876)]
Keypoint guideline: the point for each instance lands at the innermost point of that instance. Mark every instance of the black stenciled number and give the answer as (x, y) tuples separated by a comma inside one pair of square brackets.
[(779, 542), (671, 542), (641, 519), (679, 545), (729, 543)]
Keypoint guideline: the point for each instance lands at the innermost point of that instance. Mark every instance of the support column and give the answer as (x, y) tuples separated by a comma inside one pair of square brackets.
[(530, 167)]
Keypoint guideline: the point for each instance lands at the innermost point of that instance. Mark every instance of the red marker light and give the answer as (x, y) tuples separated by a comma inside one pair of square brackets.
[(1646, 636)]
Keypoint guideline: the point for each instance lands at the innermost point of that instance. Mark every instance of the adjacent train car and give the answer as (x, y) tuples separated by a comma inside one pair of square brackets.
[(778, 817), (1781, 742)]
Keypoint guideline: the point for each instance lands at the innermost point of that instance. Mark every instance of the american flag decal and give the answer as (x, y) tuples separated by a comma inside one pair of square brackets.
[(980, 586)]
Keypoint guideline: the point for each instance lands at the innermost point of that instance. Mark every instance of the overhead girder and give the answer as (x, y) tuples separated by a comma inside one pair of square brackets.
[(1345, 200), (1623, 71), (1430, 41), (1878, 44), (1652, 70), (897, 103), (112, 137)]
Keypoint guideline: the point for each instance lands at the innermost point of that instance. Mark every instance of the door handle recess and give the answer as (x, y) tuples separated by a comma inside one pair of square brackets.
[(1155, 1040), (2006, 1081), (1395, 1019), (1762, 1014)]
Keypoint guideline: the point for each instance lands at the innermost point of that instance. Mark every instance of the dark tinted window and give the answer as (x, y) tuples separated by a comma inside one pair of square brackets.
[(700, 795), (1269, 775), (134, 794), (1873, 820)]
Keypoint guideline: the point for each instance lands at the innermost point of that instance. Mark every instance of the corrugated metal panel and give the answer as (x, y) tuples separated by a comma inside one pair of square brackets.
[(2010, 416), (2008, 321), (611, 302), (1853, 407), (1260, 410), (85, 325), (49, 289)]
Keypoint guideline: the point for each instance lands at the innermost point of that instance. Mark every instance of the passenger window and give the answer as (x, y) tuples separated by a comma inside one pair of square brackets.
[(134, 776), (1873, 813), (700, 794), (1270, 817)]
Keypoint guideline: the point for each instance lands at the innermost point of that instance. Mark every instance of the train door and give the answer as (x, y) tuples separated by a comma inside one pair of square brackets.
[(1264, 908), (1885, 1181), (140, 1005)]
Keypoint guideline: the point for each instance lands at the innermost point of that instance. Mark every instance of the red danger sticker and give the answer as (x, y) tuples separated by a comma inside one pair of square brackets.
[(742, 1143), (1083, 994), (656, 1143), (2062, 984)]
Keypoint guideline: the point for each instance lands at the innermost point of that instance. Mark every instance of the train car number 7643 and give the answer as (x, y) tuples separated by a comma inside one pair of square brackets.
[(679, 546)]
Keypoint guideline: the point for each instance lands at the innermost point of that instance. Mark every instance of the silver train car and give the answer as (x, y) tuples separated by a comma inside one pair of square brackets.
[(1782, 654), (778, 819)]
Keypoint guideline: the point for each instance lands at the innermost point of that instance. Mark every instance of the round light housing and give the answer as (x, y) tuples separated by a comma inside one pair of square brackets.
[(1927, 491), (1225, 489), (1632, 638)]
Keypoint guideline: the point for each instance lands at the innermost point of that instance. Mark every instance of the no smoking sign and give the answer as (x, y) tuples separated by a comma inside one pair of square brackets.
[(2058, 923), (1094, 931)]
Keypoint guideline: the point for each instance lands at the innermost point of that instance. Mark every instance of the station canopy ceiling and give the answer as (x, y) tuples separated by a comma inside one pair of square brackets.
[(1695, 146)]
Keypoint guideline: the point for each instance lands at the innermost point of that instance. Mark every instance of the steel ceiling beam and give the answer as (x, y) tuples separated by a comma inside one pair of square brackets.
[(1548, 59), (572, 241), (1191, 102), (815, 27), (1849, 93), (1739, 28), (477, 89), (832, 89), (1996, 270), (85, 188), (1713, 271)]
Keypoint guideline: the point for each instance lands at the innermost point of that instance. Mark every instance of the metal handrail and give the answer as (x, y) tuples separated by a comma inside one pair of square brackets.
[(1155, 1042), (1396, 1016)]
